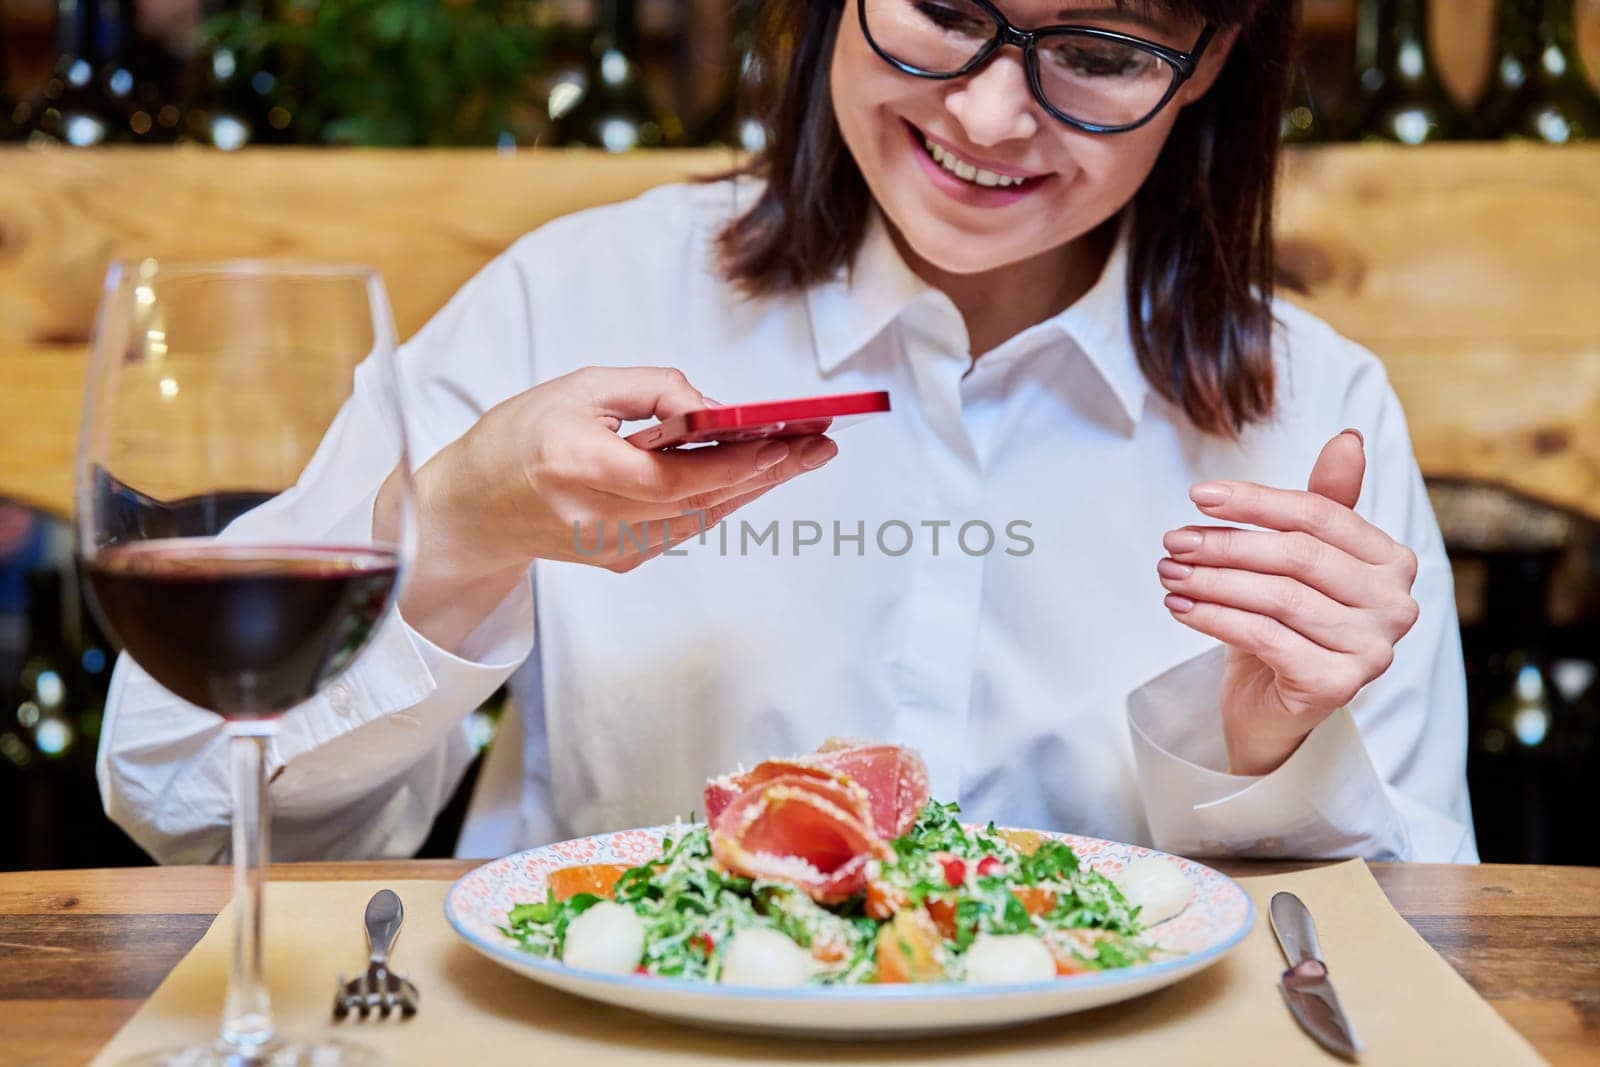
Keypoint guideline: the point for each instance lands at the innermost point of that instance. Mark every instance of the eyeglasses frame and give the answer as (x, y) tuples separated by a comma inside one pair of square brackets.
[(1183, 64)]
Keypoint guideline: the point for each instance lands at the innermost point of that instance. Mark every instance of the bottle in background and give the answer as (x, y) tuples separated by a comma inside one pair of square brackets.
[(76, 106), (1515, 55), (1304, 121), (613, 110), (48, 672), (8, 99), (739, 120), (104, 89), (1581, 741), (1519, 715), (227, 106), (1405, 101), (1324, 91), (1538, 88)]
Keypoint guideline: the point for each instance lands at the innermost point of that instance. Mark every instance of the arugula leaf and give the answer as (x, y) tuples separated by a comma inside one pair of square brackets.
[(1052, 861)]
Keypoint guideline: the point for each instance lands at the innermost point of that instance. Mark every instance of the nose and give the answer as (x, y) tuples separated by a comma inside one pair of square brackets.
[(995, 104)]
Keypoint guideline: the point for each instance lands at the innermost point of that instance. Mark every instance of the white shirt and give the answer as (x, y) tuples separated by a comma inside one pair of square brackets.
[(1023, 677)]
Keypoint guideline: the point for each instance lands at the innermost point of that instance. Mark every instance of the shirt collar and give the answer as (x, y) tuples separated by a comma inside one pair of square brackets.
[(850, 310), (1098, 324)]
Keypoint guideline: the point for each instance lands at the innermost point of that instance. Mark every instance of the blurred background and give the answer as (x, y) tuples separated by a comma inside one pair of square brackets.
[(625, 76)]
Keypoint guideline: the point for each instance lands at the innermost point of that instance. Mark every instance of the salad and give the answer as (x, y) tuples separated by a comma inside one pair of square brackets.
[(795, 879)]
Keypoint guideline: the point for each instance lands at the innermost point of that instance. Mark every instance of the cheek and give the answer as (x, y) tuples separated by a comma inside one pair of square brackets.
[(848, 108), (861, 87), (1113, 167)]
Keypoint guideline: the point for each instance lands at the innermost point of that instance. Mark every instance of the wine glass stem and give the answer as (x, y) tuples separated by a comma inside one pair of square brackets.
[(247, 1018)]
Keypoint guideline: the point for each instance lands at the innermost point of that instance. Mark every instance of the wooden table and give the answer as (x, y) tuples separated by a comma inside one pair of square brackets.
[(79, 950)]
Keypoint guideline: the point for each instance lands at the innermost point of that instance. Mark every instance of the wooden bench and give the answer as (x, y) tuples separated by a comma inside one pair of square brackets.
[(1472, 270)]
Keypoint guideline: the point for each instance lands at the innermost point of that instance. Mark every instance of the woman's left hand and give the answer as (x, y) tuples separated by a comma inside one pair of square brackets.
[(1310, 606)]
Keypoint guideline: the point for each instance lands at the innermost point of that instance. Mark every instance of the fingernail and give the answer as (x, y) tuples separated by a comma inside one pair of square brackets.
[(710, 403), (1181, 541), (771, 455), (817, 453), (1210, 494), (1353, 432), (1171, 568), (1180, 604)]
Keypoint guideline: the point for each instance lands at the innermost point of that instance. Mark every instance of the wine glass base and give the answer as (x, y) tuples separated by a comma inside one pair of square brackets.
[(278, 1054)]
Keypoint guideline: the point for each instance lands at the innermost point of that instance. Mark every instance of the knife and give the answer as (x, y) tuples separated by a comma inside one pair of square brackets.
[(1306, 987)]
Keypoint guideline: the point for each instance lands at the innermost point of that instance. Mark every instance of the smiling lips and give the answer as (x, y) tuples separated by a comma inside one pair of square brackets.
[(986, 175)]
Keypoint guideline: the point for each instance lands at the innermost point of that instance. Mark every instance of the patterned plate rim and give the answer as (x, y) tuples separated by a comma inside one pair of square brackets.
[(929, 991)]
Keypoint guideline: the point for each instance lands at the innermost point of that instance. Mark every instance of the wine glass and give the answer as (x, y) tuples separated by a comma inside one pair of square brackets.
[(232, 578)]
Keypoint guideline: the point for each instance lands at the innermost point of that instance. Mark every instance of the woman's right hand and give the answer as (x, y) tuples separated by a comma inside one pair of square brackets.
[(545, 474)]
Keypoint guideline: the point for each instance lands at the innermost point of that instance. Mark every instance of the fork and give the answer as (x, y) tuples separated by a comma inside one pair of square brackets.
[(378, 988)]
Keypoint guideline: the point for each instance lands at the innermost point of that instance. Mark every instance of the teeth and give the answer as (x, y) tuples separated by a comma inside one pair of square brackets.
[(967, 172)]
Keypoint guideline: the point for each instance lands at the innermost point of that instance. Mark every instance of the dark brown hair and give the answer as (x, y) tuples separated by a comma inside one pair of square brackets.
[(1200, 269)]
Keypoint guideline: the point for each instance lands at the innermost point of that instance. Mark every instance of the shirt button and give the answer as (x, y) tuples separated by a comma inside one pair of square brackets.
[(340, 700)]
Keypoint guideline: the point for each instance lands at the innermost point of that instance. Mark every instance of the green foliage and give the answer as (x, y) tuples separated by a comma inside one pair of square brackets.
[(1052, 861), (394, 72)]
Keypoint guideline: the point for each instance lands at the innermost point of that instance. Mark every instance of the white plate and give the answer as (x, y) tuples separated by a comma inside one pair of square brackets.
[(1219, 915)]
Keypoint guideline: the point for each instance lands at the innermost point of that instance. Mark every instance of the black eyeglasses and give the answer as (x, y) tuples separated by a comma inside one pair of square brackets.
[(1096, 80)]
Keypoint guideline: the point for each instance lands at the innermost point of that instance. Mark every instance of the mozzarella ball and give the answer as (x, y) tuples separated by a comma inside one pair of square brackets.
[(608, 938), (1005, 959), (763, 957), (1157, 885)]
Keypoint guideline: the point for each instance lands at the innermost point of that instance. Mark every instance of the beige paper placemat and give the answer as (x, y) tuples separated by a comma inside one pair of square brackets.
[(1407, 1004)]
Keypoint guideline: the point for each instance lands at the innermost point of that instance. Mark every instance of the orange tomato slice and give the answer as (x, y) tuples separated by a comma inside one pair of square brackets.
[(1035, 898), (883, 899), (597, 878), (1025, 842), (1061, 944), (909, 948), (826, 948), (942, 910)]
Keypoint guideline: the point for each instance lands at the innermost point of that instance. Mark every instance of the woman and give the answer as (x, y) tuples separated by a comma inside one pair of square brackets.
[(1055, 254)]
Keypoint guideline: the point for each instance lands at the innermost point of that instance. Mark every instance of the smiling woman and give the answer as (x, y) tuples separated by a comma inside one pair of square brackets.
[(1049, 238)]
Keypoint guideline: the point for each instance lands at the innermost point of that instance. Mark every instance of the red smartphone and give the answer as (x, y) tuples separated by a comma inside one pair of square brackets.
[(751, 422)]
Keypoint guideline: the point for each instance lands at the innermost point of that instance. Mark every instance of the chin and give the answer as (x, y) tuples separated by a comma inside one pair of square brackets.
[(957, 252)]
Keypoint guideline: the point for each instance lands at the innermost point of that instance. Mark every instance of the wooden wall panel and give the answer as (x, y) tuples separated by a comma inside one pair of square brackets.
[(426, 219), (1474, 272), (1471, 269)]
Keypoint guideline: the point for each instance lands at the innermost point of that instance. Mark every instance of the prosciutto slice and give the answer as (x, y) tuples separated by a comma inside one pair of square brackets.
[(895, 778), (811, 833), (816, 821), (723, 791)]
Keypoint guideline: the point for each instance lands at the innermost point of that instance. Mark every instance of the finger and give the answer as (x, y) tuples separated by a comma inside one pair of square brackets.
[(1305, 669), (704, 477), (1340, 469), (1305, 610), (1295, 509), (1292, 555), (669, 533), (624, 393), (700, 521)]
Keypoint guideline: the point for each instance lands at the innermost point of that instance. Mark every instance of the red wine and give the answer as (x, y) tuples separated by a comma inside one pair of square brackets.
[(241, 630)]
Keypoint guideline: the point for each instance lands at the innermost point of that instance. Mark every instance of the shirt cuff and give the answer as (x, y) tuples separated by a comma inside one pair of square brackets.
[(401, 669), (1325, 801)]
